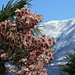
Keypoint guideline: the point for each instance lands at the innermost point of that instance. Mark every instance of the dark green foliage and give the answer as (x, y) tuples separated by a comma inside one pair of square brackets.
[(7, 12), (69, 67)]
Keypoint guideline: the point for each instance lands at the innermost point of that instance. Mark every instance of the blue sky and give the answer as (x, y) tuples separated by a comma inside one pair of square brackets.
[(52, 9)]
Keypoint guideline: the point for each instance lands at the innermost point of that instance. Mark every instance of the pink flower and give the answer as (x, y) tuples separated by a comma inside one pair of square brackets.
[(23, 60), (3, 55), (1, 51), (13, 25), (21, 72), (44, 70)]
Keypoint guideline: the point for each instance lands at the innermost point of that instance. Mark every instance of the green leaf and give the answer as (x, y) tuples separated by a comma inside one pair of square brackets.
[(7, 12), (69, 67)]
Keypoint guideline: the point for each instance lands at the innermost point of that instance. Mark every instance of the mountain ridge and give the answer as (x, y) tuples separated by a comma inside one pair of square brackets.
[(63, 31), (60, 20), (60, 30)]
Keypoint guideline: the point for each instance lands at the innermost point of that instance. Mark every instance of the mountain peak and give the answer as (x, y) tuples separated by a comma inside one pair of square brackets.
[(56, 27)]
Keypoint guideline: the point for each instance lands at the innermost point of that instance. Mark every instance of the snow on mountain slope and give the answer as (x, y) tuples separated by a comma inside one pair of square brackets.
[(64, 33)]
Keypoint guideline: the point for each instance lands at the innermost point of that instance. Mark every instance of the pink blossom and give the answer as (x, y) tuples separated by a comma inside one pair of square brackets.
[(21, 72), (29, 53), (1, 51), (3, 55)]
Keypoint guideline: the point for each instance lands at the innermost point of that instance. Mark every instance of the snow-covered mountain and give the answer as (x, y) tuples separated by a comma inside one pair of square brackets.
[(64, 33)]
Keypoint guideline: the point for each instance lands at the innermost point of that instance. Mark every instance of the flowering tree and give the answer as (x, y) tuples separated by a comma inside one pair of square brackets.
[(17, 44)]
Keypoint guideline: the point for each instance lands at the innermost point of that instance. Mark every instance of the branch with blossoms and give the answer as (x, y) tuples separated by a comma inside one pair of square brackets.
[(17, 44)]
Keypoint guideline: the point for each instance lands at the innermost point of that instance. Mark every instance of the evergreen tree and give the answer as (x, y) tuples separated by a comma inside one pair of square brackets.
[(69, 67)]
